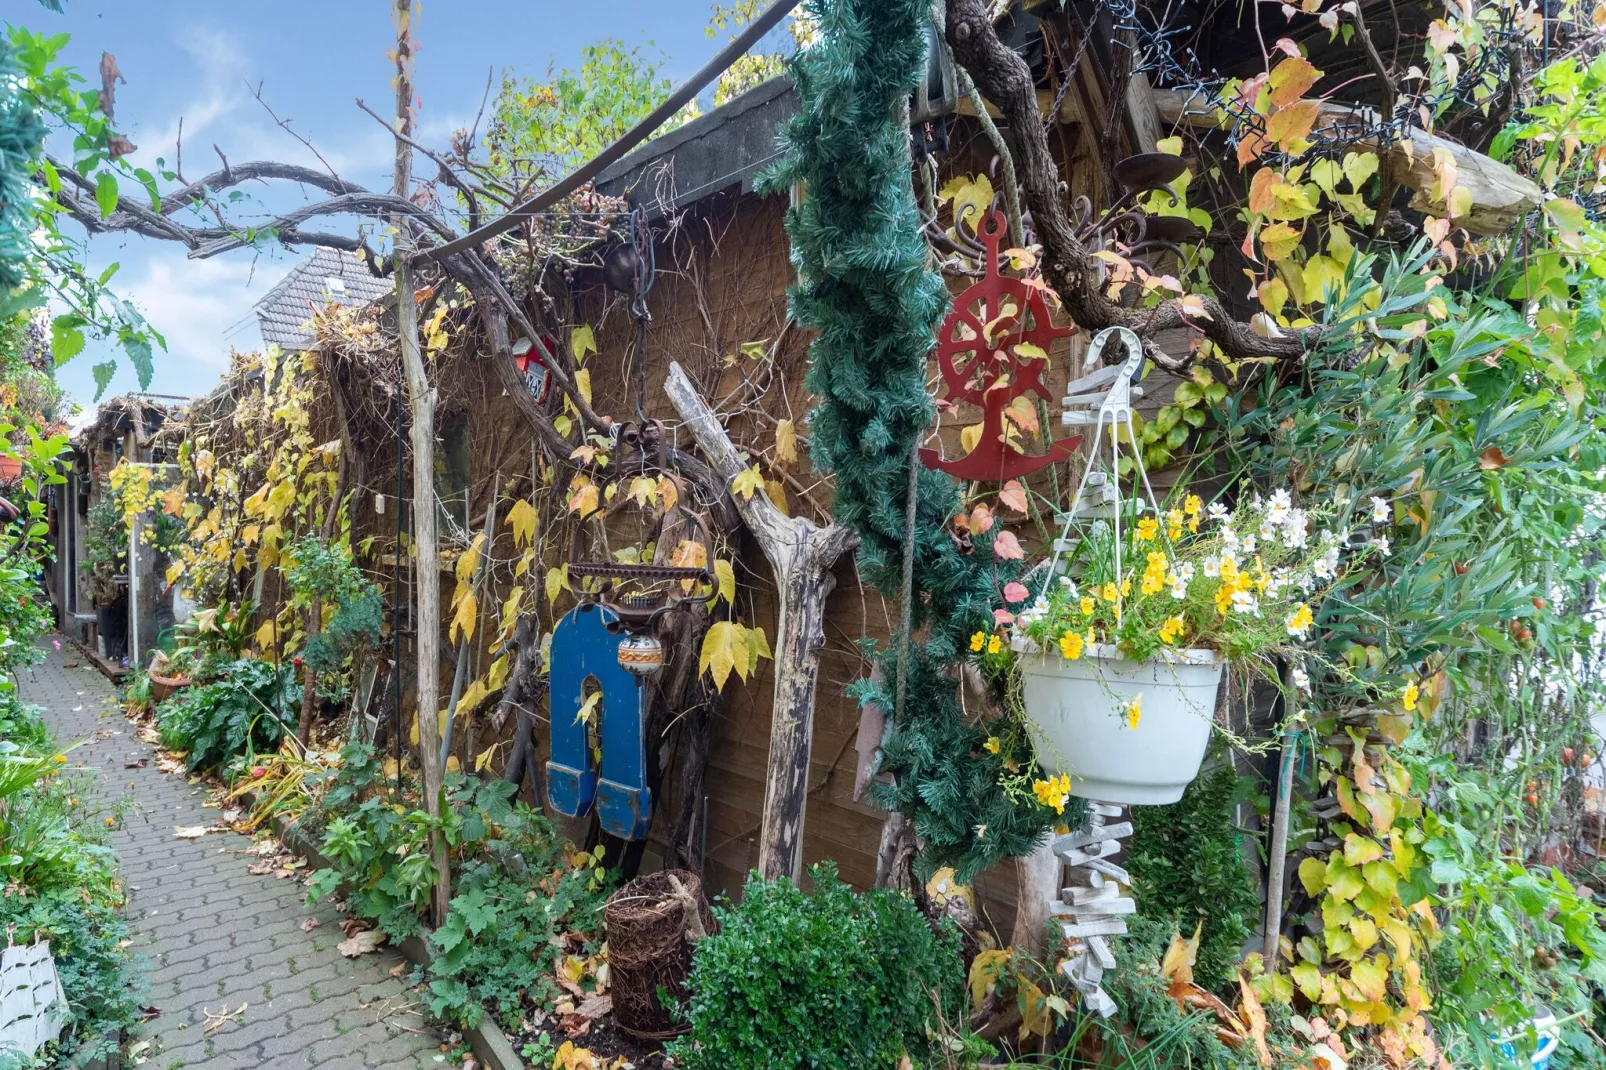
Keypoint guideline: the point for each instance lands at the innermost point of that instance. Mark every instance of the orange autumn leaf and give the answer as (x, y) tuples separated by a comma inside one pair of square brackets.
[(1288, 126), (1290, 79)]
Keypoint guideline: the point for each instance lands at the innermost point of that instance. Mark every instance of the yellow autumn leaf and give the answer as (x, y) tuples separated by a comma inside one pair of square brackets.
[(472, 696), (280, 498), (642, 489), (240, 563), (1279, 240), (557, 579), (463, 621), (985, 970), (251, 533), (582, 383), (582, 496), (757, 647), (746, 482), (588, 708), (175, 570), (524, 521), (496, 675), (581, 342), (717, 657), (470, 559), (668, 496), (785, 443), (777, 492), (265, 635), (483, 760), (510, 609), (970, 436), (525, 561), (725, 574)]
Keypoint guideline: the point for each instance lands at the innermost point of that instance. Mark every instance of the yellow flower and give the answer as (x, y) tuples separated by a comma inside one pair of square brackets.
[(1174, 518), (1299, 623), (1192, 505), (991, 746), (60, 758), (994, 645), (1071, 645), (1408, 700), (110, 822), (1053, 792), (1109, 593), (1134, 712), (1148, 528), (1173, 532), (1171, 630), (1224, 598), (1088, 605), (1126, 587), (978, 641)]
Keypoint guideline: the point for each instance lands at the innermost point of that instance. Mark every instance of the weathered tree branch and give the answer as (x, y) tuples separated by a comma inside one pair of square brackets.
[(802, 555), (1005, 79)]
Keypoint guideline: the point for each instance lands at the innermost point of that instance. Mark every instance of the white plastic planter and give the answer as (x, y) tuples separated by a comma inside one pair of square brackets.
[(1076, 715)]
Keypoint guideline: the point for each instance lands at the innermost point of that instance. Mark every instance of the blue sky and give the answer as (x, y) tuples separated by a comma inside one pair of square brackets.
[(313, 59)]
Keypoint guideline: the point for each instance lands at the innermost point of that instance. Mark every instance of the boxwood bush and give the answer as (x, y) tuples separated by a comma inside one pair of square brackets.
[(833, 980)]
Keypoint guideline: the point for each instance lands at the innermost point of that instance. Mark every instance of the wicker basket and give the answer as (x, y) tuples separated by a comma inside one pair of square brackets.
[(648, 949)]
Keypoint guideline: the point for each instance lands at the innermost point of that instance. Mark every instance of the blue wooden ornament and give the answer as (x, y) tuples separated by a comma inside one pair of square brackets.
[(584, 648)]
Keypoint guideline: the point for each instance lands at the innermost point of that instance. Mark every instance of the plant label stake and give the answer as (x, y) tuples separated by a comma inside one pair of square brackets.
[(585, 647), (977, 352)]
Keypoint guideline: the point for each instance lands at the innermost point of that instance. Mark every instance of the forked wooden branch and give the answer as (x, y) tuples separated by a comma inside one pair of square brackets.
[(802, 554)]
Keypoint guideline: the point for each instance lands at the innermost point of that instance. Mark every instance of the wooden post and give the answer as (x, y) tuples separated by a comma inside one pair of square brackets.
[(426, 546), (802, 555)]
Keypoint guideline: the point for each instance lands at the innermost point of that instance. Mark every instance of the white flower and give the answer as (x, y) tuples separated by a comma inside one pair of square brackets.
[(1381, 543), (1069, 584), (1217, 511), (1185, 572), (1179, 588), (1326, 566), (1249, 544), (1277, 512), (1245, 602), (1380, 510), (1305, 582), (1295, 529), (1301, 679), (1229, 539), (1268, 530), (1212, 567)]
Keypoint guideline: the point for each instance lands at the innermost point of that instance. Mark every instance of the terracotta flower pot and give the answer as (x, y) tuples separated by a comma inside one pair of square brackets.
[(10, 468), (165, 687)]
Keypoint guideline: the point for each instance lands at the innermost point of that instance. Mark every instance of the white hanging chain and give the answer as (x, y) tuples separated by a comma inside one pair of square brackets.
[(1114, 406)]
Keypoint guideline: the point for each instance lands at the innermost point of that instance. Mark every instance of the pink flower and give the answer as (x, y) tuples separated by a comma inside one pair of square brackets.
[(1003, 616), (56, 643), (1015, 592)]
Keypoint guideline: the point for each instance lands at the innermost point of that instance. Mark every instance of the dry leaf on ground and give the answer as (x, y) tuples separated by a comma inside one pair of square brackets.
[(361, 944), (309, 923), (191, 832)]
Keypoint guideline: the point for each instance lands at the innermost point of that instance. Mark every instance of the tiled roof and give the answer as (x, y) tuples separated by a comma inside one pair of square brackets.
[(326, 277)]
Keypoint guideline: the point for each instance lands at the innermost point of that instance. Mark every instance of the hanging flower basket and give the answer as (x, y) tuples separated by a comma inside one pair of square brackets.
[(1124, 731)]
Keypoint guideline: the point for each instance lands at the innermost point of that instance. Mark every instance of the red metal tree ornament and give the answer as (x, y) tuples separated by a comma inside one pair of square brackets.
[(977, 351)]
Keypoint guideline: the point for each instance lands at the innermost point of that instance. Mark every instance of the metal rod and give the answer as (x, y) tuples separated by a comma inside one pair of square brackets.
[(396, 599), (634, 136)]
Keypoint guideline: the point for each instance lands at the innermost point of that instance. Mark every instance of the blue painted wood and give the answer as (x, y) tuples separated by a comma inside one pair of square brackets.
[(583, 648)]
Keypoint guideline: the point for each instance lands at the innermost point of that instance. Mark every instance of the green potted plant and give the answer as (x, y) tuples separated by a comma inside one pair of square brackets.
[(1116, 657), (105, 566)]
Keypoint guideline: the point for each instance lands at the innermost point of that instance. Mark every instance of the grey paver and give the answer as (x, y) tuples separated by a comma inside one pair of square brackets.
[(198, 917)]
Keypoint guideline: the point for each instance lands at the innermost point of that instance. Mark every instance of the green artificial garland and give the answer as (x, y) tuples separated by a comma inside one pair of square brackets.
[(866, 288)]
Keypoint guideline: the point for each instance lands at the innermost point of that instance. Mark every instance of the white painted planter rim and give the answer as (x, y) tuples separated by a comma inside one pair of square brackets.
[(1110, 652)]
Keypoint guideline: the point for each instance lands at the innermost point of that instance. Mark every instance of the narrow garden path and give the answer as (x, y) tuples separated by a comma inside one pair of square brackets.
[(213, 936)]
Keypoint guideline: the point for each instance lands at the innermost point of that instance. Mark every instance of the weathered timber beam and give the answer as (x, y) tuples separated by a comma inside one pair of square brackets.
[(1500, 196), (802, 555)]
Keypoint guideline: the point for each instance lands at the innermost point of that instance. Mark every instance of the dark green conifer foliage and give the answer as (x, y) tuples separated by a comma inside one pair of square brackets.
[(867, 290)]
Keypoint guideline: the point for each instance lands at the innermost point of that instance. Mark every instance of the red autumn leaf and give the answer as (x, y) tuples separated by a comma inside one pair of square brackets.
[(1015, 592), (1492, 458), (1002, 617), (1005, 545)]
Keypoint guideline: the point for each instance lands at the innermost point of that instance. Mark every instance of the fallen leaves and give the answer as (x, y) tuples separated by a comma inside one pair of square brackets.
[(216, 1020), (363, 943), (193, 832)]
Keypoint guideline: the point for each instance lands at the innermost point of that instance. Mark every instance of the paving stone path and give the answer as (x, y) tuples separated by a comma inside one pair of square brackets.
[(212, 935)]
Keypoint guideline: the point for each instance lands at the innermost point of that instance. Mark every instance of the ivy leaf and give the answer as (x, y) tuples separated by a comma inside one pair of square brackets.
[(1359, 850), (747, 482), (1014, 496), (1290, 79), (106, 193), (557, 579), (524, 520), (1006, 546), (1371, 977), (1278, 240), (1313, 875), (581, 342)]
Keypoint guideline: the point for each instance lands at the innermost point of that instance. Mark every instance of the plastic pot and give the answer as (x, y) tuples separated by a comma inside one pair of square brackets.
[(1077, 715)]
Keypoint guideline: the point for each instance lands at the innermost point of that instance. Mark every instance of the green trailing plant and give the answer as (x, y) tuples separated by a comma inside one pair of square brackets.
[(1188, 869), (248, 710), (865, 287), (105, 549), (834, 980), (322, 572)]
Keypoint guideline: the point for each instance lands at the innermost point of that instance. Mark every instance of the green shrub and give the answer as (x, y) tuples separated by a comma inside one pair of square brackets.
[(833, 980), (235, 715), (1188, 867)]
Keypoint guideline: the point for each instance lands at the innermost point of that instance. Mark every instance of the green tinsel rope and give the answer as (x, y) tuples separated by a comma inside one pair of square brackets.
[(865, 288)]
